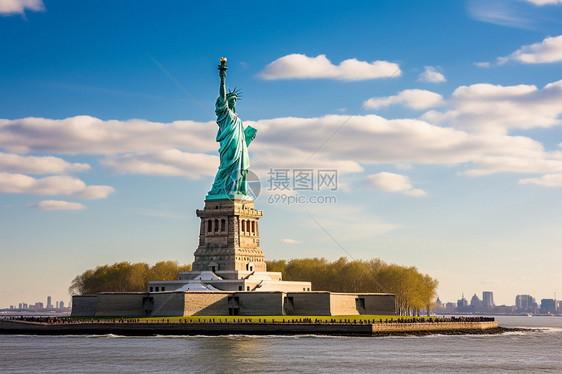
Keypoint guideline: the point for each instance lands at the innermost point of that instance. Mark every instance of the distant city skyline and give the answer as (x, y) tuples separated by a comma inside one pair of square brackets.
[(37, 305), (524, 304), (441, 118)]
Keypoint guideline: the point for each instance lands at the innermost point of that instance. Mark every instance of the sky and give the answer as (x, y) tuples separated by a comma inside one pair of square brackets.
[(438, 122)]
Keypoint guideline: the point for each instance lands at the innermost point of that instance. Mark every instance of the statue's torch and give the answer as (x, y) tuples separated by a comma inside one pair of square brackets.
[(222, 67)]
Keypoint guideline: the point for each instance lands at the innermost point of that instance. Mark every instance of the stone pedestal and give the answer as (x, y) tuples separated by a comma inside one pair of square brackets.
[(229, 238)]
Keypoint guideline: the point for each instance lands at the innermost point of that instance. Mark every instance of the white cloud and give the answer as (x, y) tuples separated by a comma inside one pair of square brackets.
[(299, 66), (487, 107), (547, 51), (267, 156), (365, 139), (58, 205), (12, 163), (549, 180), (504, 13), (372, 139), (56, 185), (547, 162), (413, 98), (393, 183), (19, 6), (431, 75), (290, 241), (544, 2), (90, 135), (166, 162), (483, 64)]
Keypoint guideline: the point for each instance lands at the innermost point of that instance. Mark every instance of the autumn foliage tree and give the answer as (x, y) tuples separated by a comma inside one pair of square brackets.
[(414, 291), (124, 277)]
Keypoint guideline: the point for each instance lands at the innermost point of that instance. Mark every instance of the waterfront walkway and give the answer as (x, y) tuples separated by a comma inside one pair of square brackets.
[(264, 326)]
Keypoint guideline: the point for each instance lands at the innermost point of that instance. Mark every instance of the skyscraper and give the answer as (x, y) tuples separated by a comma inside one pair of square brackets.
[(548, 306), (525, 303), (488, 299), (49, 305), (462, 303)]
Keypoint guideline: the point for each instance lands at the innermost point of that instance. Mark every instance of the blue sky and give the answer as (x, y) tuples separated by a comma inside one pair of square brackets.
[(442, 119)]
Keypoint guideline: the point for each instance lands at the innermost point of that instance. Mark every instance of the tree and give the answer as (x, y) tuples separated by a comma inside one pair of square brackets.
[(414, 291), (123, 277)]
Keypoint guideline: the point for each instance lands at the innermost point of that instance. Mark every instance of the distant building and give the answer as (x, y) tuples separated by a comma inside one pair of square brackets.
[(475, 302), (24, 306), (20, 306), (488, 299), (548, 306), (49, 305), (61, 304), (57, 305), (462, 303), (525, 303)]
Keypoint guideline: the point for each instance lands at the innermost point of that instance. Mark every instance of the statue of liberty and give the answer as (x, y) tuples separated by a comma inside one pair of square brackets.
[(234, 140)]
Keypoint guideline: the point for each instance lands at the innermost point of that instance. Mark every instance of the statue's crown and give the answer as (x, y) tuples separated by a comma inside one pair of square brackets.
[(235, 92)]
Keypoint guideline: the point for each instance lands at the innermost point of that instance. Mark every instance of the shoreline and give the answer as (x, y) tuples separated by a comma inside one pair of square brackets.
[(14, 327)]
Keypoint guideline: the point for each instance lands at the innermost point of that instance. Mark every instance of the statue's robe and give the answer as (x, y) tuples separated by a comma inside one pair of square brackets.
[(234, 140)]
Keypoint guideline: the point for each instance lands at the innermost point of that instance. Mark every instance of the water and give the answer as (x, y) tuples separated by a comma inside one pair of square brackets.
[(528, 352)]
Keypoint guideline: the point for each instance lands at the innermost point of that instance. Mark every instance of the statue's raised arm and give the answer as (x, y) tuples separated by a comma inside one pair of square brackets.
[(222, 74), (234, 139)]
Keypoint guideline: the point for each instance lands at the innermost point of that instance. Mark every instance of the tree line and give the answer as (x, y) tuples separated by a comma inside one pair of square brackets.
[(414, 291), (124, 277)]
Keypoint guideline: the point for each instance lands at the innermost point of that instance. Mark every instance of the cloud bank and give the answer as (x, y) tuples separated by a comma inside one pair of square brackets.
[(544, 2), (549, 180), (90, 135), (166, 162), (299, 66), (19, 6), (412, 98), (547, 51), (365, 140), (488, 107), (13, 163), (472, 130), (55, 185)]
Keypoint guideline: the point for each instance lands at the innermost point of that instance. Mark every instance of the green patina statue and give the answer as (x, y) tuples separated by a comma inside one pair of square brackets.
[(234, 140)]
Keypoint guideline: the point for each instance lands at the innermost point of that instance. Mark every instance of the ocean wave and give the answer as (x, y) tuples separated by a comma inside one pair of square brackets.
[(270, 336), (550, 329), (109, 336)]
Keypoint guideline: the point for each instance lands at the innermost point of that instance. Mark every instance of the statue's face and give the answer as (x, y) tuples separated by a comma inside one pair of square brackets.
[(232, 102)]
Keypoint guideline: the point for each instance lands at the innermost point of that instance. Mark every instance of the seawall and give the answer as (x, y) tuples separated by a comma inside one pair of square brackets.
[(151, 329)]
